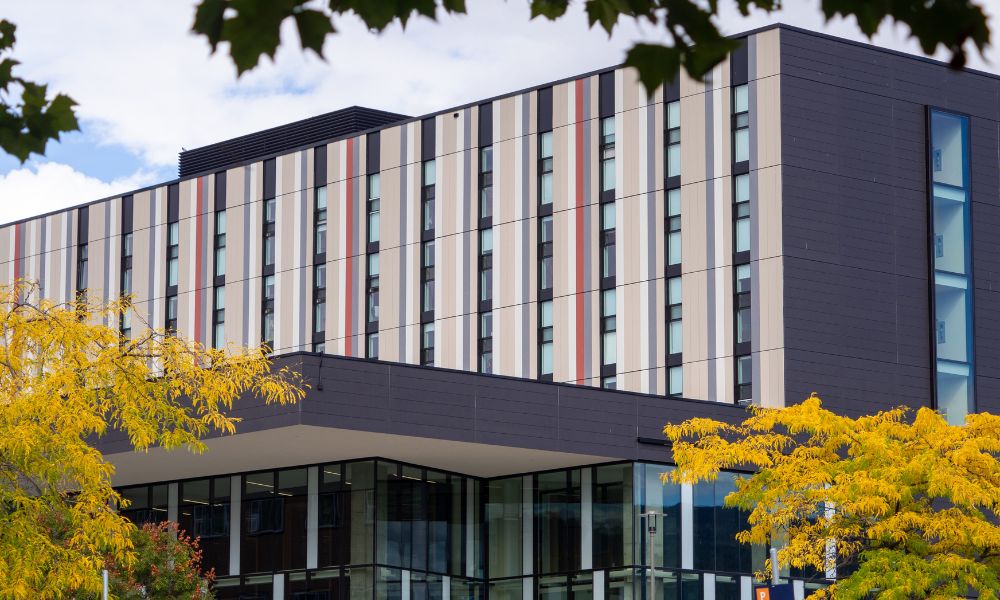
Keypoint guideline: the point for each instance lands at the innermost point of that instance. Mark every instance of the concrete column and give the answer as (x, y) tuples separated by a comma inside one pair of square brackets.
[(235, 511), (173, 490), (687, 526), (312, 518), (586, 519)]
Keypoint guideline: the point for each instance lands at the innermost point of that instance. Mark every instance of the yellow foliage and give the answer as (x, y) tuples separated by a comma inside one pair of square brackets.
[(66, 379), (910, 502)]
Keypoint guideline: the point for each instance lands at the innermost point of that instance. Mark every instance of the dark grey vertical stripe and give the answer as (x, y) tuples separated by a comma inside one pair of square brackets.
[(303, 243), (525, 235), (464, 279), (403, 269), (588, 242), (248, 244), (713, 393), (652, 326)]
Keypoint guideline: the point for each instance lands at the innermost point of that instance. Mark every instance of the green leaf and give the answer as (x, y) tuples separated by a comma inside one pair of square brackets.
[(655, 63), (208, 19), (605, 12), (313, 26), (550, 9)]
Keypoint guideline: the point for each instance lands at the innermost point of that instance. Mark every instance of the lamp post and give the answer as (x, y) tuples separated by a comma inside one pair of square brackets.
[(650, 517)]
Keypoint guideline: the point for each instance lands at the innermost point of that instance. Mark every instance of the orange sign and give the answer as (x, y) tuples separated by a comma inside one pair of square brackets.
[(762, 593)]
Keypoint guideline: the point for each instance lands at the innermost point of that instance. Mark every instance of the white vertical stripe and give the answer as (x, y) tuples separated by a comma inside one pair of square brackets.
[(312, 518), (342, 340), (172, 494), (470, 531), (720, 273), (799, 589), (586, 519), (527, 519), (192, 257), (598, 593), (298, 198), (568, 347), (235, 498), (746, 588), (446, 586), (708, 580), (687, 526), (461, 279), (405, 585), (279, 586), (519, 242)]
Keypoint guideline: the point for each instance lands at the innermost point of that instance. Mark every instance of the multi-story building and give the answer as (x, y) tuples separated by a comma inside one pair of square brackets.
[(458, 288)]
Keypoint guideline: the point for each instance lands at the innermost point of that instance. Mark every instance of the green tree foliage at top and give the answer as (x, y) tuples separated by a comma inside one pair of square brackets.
[(28, 119), (251, 28)]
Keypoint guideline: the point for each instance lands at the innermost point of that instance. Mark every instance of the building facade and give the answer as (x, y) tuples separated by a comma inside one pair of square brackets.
[(499, 305)]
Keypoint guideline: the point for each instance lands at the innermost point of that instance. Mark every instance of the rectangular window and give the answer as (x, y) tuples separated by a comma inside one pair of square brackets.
[(427, 279), (267, 312), (125, 321), (219, 317), (319, 299), (486, 265), (672, 139), (427, 344), (545, 339), (173, 253), (82, 274), (373, 288), (675, 381), (545, 164), (427, 196), (609, 343), (609, 382), (741, 213), (545, 239), (486, 182), (675, 341), (607, 154), (741, 303), (607, 244), (220, 243), (486, 342), (170, 322), (270, 210), (744, 378), (319, 222), (741, 123), (371, 346), (674, 227), (374, 208)]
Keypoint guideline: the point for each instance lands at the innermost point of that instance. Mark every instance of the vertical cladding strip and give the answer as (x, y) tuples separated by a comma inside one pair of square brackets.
[(525, 246), (591, 129), (151, 294), (579, 232), (710, 232), (404, 271), (18, 251), (348, 248), (721, 273), (755, 275), (357, 243), (467, 196), (68, 238), (305, 159), (199, 285), (247, 279), (461, 283), (43, 261), (109, 254), (651, 256)]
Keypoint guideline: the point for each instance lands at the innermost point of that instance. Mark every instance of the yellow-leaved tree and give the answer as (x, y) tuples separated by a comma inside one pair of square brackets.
[(901, 504), (66, 379)]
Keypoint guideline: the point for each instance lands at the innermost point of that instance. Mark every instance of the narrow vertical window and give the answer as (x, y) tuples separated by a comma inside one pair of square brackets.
[(372, 291), (82, 274), (173, 253), (319, 302), (486, 342), (608, 244), (171, 318), (427, 344), (951, 265), (126, 283), (545, 340), (427, 197), (545, 164), (220, 243), (741, 123), (486, 182), (744, 378), (82, 254), (675, 381), (219, 317), (374, 208), (371, 345), (672, 139), (486, 265), (427, 280), (609, 340), (741, 303), (741, 213), (545, 275), (675, 336), (319, 222), (608, 154), (267, 312), (673, 227), (270, 210)]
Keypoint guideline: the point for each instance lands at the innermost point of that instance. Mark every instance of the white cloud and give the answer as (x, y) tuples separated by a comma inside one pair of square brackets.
[(33, 190)]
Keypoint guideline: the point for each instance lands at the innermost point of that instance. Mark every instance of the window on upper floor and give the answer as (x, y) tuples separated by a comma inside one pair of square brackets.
[(672, 139), (545, 167), (486, 182), (319, 222), (741, 123), (607, 154), (374, 208)]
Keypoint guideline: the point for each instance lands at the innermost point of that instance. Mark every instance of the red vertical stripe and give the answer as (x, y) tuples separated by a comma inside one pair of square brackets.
[(579, 232), (349, 226), (199, 255), (17, 251)]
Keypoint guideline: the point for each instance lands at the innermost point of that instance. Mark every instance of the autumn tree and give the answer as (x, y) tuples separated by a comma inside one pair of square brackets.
[(66, 379), (250, 30), (903, 504), (167, 567)]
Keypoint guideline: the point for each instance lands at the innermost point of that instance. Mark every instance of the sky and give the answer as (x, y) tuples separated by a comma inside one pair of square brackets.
[(147, 87)]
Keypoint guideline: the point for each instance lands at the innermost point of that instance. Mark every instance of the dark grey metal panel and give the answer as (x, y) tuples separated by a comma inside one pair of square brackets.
[(856, 290)]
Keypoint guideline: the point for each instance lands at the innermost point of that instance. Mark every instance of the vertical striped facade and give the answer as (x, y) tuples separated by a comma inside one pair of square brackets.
[(46, 249)]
